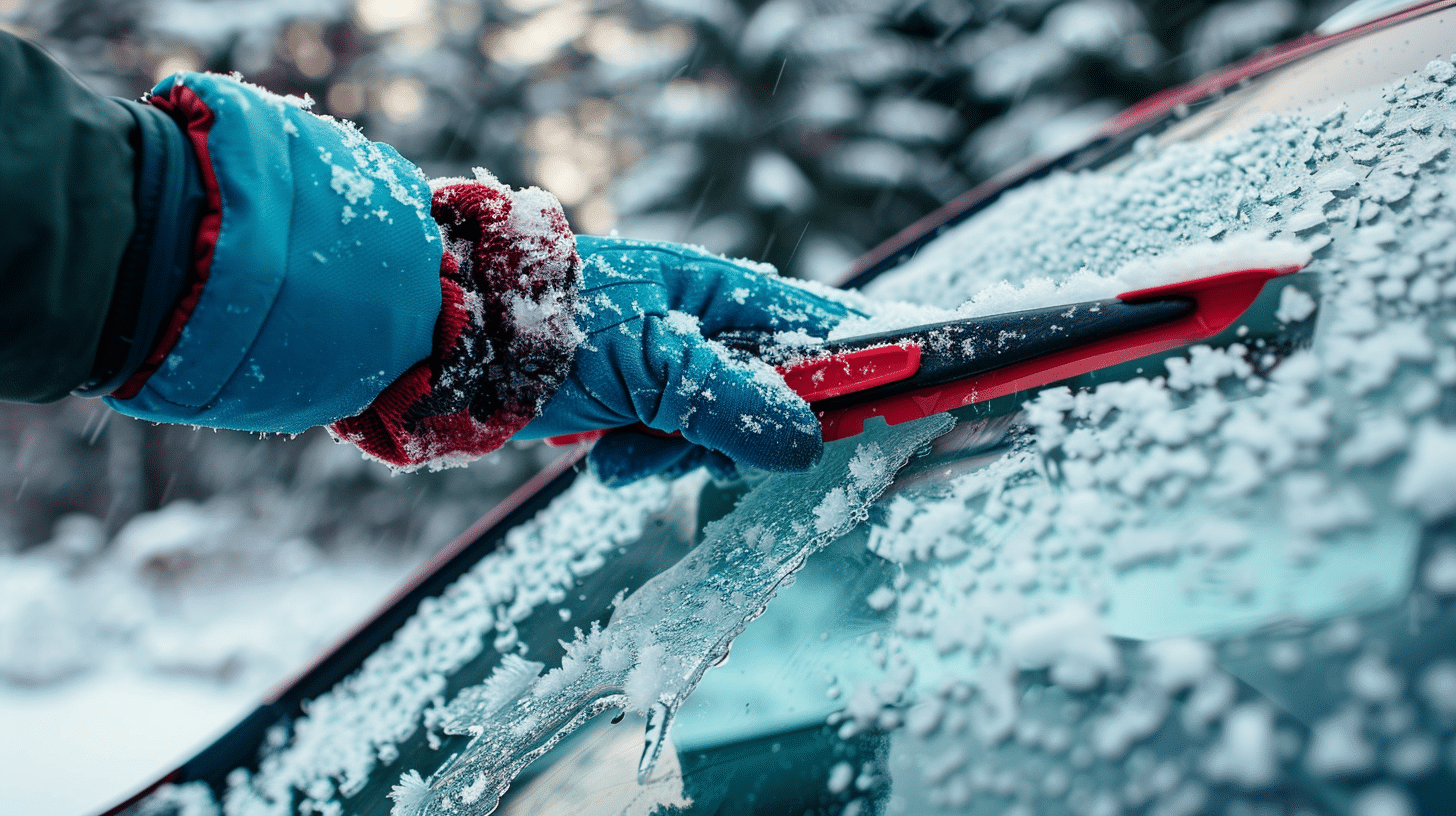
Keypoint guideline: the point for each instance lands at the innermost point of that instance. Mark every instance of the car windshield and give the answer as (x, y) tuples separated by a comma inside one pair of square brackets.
[(1222, 580)]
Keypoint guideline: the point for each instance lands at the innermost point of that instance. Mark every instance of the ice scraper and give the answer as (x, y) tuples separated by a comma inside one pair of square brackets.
[(912, 373)]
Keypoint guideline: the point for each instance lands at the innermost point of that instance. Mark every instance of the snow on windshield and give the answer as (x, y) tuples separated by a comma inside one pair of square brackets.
[(656, 647), (1146, 534), (663, 637), (349, 731)]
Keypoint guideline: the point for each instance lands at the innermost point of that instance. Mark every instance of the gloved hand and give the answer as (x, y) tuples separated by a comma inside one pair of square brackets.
[(649, 312), (325, 282)]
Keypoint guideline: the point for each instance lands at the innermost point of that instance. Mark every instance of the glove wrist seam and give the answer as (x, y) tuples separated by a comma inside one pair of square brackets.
[(504, 340)]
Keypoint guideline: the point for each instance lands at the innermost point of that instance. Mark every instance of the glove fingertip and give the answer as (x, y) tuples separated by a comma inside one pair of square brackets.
[(772, 444), (623, 457), (804, 454)]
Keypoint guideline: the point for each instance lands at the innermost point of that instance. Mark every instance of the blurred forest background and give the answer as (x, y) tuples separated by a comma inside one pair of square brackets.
[(800, 132)]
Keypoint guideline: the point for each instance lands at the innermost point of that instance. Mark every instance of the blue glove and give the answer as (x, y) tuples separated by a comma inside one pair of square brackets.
[(649, 312)]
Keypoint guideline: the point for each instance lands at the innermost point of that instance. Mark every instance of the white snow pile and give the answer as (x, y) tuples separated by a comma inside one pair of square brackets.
[(1244, 250), (128, 654)]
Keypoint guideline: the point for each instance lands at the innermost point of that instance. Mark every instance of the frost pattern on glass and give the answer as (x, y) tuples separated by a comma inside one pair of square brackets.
[(1239, 513), (663, 637), (349, 731)]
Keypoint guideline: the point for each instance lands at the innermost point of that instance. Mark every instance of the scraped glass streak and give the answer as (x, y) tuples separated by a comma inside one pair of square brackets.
[(1078, 610), (360, 723), (663, 637)]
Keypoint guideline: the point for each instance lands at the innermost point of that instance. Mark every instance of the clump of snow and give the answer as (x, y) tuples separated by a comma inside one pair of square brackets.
[(881, 599), (1295, 305), (42, 637), (190, 799), (1371, 678), (1071, 642), (1413, 757), (1245, 753), (1376, 439), (1244, 250), (1382, 800), (868, 468), (1438, 687), (1251, 250), (1438, 574), (505, 683), (352, 185), (1178, 663), (1337, 745), (1286, 656), (408, 794), (175, 594), (163, 636), (1427, 482), (832, 511)]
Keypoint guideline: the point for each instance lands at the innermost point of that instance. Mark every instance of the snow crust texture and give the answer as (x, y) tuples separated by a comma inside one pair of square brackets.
[(1078, 614), (349, 731)]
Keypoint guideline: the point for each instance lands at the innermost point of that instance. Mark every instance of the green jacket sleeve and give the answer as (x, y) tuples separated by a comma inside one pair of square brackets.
[(66, 214)]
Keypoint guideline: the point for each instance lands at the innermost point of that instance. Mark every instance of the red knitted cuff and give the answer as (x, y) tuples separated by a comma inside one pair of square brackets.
[(505, 337)]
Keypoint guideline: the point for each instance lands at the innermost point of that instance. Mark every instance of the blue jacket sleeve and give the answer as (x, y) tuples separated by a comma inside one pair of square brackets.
[(309, 282)]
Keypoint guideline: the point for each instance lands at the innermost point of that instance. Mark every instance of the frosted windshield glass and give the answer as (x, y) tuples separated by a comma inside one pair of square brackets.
[(663, 637), (1186, 590), (334, 751)]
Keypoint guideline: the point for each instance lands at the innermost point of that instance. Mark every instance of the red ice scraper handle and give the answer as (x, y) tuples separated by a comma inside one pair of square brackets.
[(913, 373)]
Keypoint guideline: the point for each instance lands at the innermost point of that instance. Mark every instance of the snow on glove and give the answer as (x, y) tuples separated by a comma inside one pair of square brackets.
[(648, 312), (504, 339)]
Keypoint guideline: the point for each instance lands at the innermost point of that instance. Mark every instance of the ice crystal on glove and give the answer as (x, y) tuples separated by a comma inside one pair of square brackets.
[(505, 337)]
